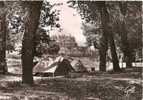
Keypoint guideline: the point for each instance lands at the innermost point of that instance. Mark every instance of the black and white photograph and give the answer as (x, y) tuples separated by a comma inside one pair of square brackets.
[(71, 50)]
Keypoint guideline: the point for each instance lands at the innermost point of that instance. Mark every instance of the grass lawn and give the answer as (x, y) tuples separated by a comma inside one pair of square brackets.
[(98, 86), (94, 86)]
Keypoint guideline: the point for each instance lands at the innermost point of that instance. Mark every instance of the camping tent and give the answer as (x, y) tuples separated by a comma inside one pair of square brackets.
[(52, 67), (78, 66)]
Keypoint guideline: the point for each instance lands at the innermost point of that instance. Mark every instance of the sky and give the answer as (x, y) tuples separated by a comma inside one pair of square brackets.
[(70, 22)]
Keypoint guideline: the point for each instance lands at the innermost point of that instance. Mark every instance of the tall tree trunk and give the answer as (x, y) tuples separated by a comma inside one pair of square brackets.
[(104, 39), (126, 47), (124, 39), (3, 65), (115, 60), (107, 33), (103, 52), (31, 25)]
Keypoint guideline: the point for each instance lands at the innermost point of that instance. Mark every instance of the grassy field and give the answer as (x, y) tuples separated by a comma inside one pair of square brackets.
[(77, 86), (84, 87)]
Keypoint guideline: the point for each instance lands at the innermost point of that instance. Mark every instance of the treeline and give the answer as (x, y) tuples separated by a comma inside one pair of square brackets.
[(114, 25)]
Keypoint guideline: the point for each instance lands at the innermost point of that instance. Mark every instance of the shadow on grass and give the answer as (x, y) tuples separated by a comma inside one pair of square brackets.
[(75, 88)]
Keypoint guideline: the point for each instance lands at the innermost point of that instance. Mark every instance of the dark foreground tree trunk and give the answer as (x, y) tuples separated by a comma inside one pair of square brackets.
[(115, 60), (107, 33), (103, 52), (31, 25), (126, 47), (3, 65), (104, 39), (124, 39)]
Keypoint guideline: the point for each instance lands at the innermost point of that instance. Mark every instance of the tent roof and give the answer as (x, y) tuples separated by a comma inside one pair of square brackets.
[(45, 66), (51, 70)]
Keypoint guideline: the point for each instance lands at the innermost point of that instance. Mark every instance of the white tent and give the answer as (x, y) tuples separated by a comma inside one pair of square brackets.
[(53, 67)]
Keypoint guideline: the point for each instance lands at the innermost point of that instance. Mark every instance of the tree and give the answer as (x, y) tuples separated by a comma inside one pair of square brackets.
[(38, 17), (126, 45), (97, 13), (31, 24), (107, 30), (126, 20), (48, 21), (92, 34), (3, 66), (49, 16)]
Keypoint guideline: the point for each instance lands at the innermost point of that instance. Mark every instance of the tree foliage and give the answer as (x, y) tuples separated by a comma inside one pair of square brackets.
[(119, 12), (130, 10), (15, 23), (110, 16), (49, 16), (48, 21), (16, 18)]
